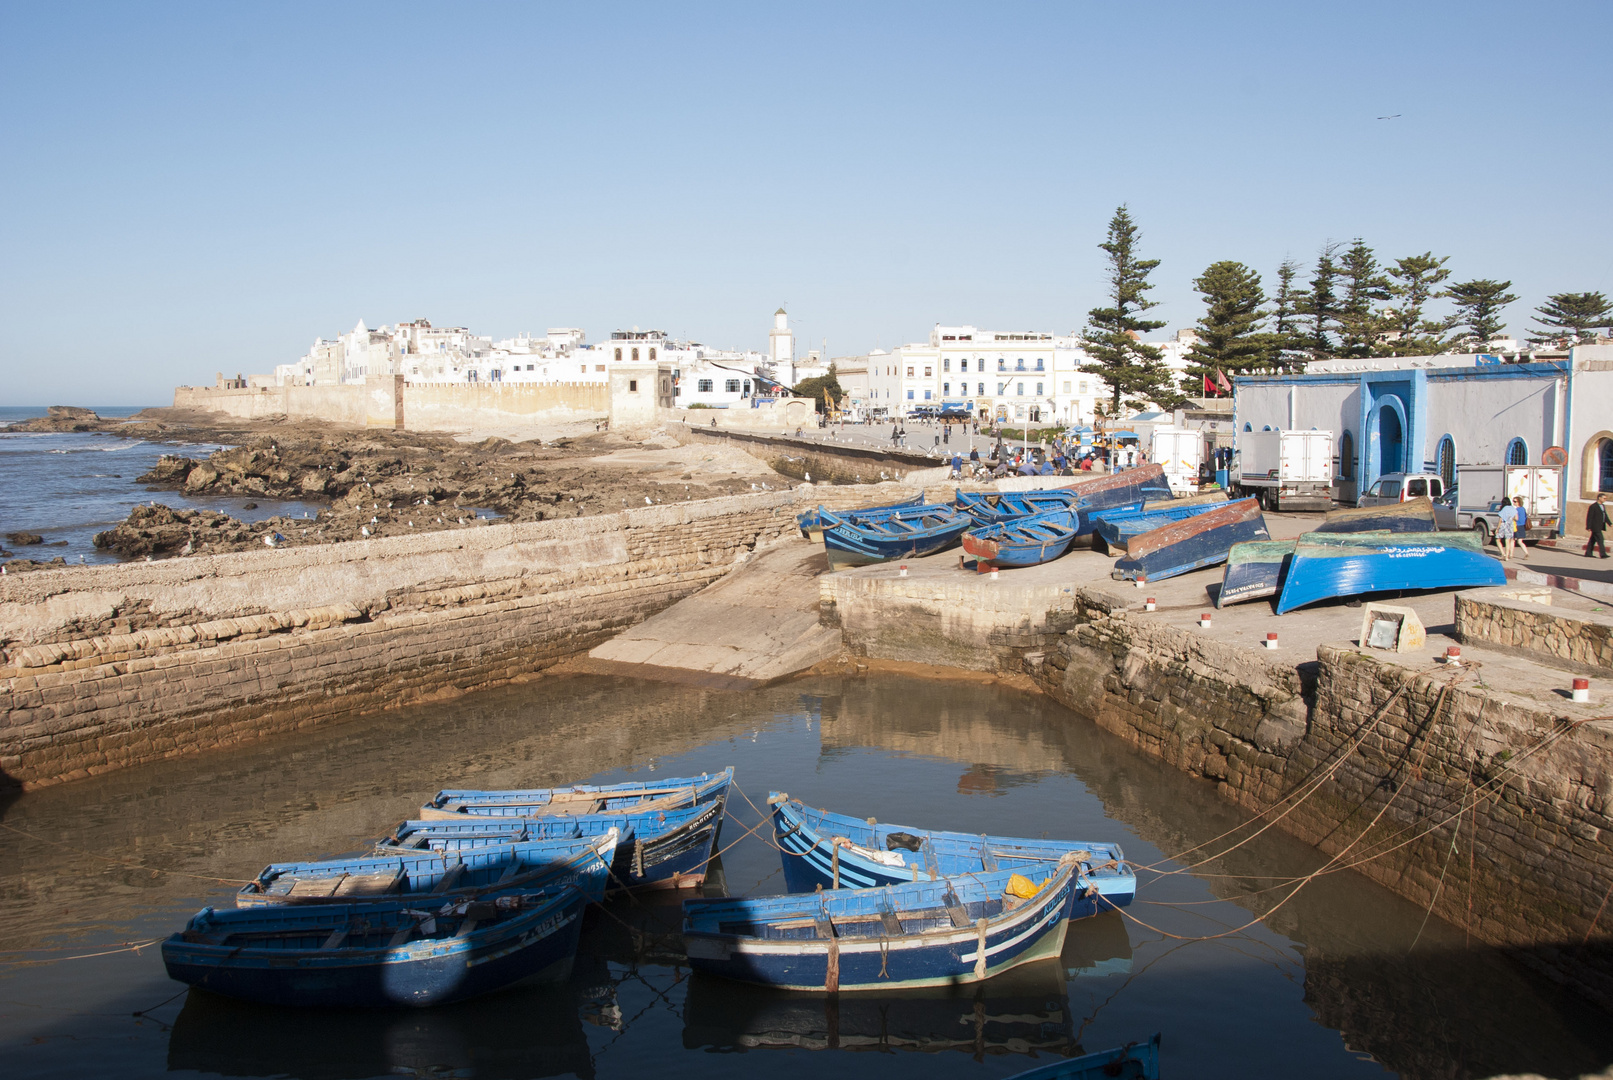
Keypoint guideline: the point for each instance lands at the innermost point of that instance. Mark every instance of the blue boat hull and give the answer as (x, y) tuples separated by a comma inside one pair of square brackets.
[(1254, 570), (1117, 528), (1027, 541), (539, 945), (918, 950), (1353, 566), (640, 797), (848, 543), (1137, 1061), (812, 861), (1411, 516), (995, 509), (1185, 546), (663, 850), (811, 522), (582, 863)]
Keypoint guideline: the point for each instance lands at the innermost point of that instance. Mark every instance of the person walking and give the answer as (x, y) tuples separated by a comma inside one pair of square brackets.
[(1505, 530), (1596, 523), (1520, 527)]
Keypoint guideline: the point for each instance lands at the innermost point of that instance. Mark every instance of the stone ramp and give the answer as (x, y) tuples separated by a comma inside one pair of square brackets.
[(756, 624)]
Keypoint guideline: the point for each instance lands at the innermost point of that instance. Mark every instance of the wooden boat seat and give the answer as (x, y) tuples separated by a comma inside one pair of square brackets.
[(304, 887), (378, 884), (988, 858), (448, 879), (337, 936), (955, 911)]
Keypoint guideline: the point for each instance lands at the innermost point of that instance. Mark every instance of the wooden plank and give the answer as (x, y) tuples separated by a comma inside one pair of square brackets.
[(401, 936), (449, 878), (320, 886), (893, 925), (467, 927), (988, 858), (369, 884), (337, 936)]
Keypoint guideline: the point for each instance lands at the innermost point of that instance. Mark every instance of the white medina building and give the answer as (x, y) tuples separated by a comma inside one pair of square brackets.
[(1008, 376)]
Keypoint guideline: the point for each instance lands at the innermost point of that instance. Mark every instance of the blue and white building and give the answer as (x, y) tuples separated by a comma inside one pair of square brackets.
[(1437, 413)]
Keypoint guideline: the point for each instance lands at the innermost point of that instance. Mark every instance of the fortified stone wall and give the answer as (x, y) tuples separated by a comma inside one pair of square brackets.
[(1492, 813), (102, 667), (822, 461), (384, 400)]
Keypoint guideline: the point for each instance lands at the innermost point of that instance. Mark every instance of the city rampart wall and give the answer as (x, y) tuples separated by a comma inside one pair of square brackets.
[(104, 667)]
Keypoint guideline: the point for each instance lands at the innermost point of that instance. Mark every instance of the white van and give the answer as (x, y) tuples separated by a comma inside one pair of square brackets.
[(1398, 487)]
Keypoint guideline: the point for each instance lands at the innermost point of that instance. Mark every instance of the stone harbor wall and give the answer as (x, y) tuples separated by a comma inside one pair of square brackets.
[(1493, 814), (1573, 638), (108, 666), (821, 460)]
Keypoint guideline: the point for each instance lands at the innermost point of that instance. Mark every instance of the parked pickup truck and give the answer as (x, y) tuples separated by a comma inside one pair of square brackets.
[(1475, 500)]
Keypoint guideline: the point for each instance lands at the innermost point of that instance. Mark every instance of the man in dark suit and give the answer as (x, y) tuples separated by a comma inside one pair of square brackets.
[(1596, 522)]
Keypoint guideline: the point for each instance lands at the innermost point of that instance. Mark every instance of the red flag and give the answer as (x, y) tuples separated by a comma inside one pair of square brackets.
[(1221, 381), (1208, 387)]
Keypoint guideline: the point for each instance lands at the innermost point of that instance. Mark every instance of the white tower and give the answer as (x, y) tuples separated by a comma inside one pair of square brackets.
[(781, 349)]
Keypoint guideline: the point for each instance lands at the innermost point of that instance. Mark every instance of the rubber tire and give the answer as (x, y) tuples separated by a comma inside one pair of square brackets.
[(1482, 531)]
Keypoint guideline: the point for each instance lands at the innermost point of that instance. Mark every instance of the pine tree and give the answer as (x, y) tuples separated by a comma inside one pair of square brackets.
[(1229, 337), (1416, 280), (1365, 284), (1321, 303), (1572, 318), (1287, 339), (1478, 307), (1112, 336)]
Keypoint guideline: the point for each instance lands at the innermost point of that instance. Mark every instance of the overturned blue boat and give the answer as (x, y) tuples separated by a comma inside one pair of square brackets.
[(905, 534), (438, 877), (1024, 541), (1117, 528), (634, 797), (825, 850), (926, 933), (664, 849), (1328, 566), (1412, 516), (1199, 541), (811, 522), (1134, 1061), (1254, 569), (994, 507), (378, 954)]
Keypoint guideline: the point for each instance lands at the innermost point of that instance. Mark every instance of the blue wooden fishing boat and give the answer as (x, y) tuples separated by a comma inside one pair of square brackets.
[(1024, 541), (439, 876), (1118, 528), (1199, 541), (1134, 1061), (905, 534), (924, 933), (637, 797), (996, 507), (811, 522), (663, 849), (1326, 566), (825, 850), (1254, 569), (378, 954), (1214, 496), (1145, 483), (1412, 516)]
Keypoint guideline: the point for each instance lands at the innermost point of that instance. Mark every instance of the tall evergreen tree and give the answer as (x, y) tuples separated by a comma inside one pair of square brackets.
[(1112, 337), (1321, 303), (1572, 318), (1365, 284), (1415, 281), (1229, 337), (1287, 336), (1478, 307)]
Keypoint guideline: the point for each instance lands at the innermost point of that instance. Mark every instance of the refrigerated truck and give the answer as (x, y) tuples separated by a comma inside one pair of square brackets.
[(1482, 490), (1286, 470), (1179, 451)]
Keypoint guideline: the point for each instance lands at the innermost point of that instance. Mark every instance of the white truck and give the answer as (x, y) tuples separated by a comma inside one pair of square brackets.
[(1286, 470), (1481, 490), (1180, 451)]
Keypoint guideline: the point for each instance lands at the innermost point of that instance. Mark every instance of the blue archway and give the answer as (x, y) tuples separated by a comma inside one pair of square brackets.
[(1389, 433)]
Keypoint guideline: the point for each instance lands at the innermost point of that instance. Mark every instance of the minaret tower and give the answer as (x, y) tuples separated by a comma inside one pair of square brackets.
[(781, 348)]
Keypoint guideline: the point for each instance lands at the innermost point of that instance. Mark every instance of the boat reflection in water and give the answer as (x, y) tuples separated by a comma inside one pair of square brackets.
[(518, 1034), (1023, 1011)]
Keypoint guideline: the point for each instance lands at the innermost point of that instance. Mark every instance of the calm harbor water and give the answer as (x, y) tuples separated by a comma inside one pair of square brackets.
[(1329, 986), (69, 486)]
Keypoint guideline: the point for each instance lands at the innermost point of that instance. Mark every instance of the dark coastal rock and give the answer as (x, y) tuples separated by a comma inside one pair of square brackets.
[(23, 539), (70, 412), (171, 470)]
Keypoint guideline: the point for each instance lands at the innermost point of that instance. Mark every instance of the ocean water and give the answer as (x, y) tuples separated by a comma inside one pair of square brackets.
[(1342, 981), (69, 486)]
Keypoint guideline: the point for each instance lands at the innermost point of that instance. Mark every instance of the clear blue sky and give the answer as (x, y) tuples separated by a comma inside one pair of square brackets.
[(194, 188)]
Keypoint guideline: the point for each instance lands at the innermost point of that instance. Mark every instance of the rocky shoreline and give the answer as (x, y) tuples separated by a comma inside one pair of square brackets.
[(388, 483)]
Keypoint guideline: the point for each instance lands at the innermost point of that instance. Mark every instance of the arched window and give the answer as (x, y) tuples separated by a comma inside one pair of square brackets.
[(1604, 461), (1445, 461), (1346, 456), (1246, 427), (1517, 452)]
